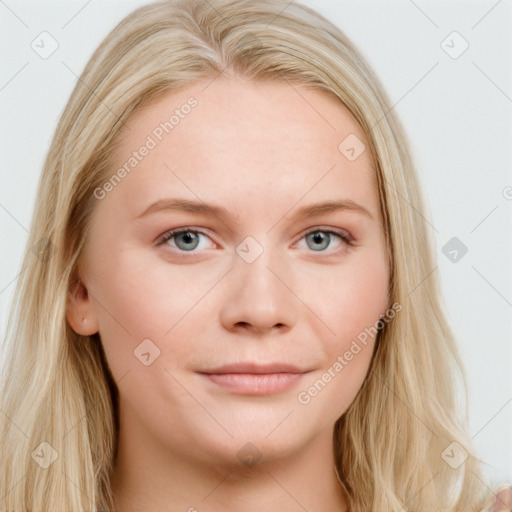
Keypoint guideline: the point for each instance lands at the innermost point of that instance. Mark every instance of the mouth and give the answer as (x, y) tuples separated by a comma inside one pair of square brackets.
[(255, 379)]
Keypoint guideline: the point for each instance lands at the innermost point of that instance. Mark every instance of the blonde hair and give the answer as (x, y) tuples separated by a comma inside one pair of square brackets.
[(56, 386)]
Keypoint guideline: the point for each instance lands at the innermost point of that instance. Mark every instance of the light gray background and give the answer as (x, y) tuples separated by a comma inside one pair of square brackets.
[(456, 111)]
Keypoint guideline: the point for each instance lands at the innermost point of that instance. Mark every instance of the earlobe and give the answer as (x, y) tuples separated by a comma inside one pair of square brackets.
[(79, 311)]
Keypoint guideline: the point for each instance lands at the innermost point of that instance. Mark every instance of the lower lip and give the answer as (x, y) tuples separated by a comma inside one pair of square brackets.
[(255, 384)]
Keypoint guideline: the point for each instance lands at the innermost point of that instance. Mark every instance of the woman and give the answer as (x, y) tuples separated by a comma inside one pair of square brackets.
[(223, 310)]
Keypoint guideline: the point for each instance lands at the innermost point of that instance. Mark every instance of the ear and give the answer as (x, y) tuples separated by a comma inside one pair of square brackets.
[(79, 310)]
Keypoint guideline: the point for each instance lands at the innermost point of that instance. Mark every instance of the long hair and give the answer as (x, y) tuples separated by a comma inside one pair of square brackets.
[(58, 420)]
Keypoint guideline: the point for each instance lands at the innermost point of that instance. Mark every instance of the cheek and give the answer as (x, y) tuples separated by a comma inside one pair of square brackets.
[(354, 297), (128, 300), (135, 301), (353, 309), (143, 296)]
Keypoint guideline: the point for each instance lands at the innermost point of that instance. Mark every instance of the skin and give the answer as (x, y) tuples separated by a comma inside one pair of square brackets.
[(502, 500), (262, 150)]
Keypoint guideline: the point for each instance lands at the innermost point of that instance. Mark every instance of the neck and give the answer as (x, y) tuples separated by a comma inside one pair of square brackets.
[(149, 477)]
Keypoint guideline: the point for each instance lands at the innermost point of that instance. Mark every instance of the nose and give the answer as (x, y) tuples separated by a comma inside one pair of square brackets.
[(258, 296)]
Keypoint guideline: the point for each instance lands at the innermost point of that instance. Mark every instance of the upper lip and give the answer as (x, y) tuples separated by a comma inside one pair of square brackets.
[(255, 368)]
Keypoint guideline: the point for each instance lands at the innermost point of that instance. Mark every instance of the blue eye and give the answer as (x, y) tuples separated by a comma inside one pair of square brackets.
[(317, 240), (320, 239), (183, 239)]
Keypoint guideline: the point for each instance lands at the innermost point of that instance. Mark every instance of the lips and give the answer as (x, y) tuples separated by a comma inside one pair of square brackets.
[(255, 368), (254, 378)]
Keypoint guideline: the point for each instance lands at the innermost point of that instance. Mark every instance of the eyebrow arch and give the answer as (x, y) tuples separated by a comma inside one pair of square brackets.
[(311, 210), (331, 206)]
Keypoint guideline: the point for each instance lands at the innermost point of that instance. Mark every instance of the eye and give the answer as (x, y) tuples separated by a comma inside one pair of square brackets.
[(319, 239), (183, 239)]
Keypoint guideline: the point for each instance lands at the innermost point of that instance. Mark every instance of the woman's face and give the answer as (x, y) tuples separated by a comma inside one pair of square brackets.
[(247, 326)]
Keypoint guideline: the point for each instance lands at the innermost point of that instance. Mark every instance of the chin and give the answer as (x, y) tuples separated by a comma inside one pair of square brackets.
[(256, 442)]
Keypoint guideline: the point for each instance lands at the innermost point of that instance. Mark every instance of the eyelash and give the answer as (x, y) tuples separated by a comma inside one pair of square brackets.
[(344, 236)]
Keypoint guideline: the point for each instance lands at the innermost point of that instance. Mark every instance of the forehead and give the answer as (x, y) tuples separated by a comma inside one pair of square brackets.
[(240, 142)]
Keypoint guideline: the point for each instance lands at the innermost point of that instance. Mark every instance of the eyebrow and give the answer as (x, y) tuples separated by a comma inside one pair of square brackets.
[(312, 210)]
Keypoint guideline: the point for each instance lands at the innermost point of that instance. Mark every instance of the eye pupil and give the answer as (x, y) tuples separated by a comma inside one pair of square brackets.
[(188, 237), (318, 237), (189, 240)]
